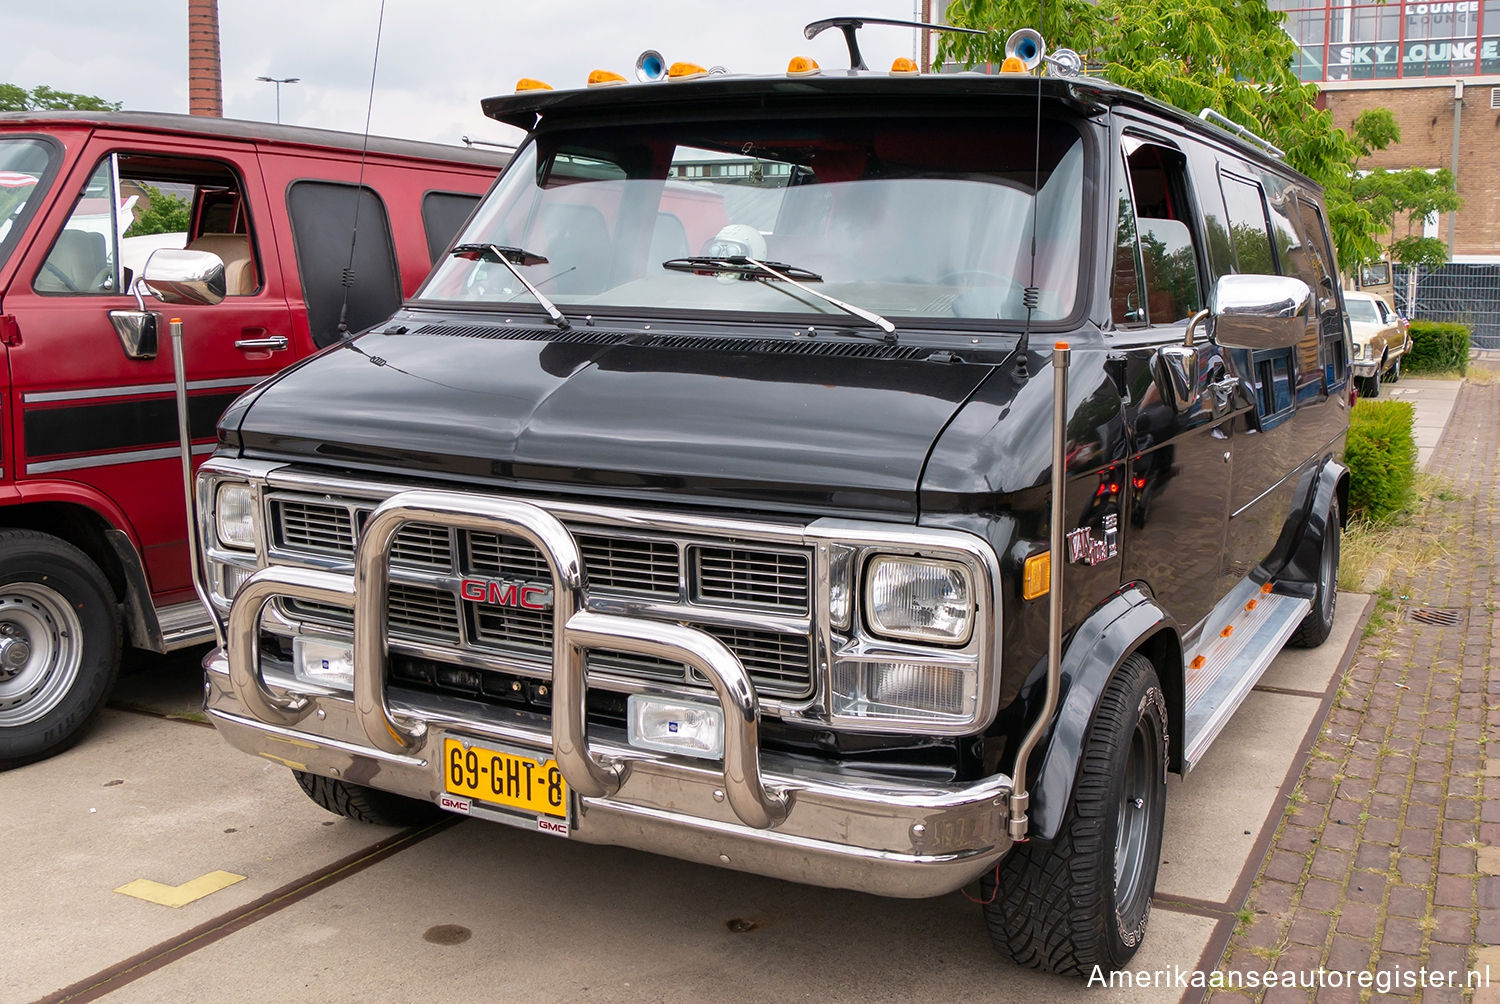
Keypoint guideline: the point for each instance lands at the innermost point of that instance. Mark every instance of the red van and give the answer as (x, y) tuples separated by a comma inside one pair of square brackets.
[(321, 233)]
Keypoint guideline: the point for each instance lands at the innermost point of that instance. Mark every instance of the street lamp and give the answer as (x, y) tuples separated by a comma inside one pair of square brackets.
[(278, 81)]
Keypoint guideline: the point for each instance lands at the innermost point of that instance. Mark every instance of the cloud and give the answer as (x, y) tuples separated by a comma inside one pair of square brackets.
[(438, 58)]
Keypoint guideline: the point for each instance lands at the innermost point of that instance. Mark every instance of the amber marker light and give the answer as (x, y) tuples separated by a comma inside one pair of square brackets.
[(528, 84), (1037, 576), (1266, 588), (904, 67), (686, 71), (1198, 663), (801, 66), (605, 78), (1012, 64)]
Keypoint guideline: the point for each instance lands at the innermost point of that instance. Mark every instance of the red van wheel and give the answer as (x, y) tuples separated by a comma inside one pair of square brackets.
[(59, 645)]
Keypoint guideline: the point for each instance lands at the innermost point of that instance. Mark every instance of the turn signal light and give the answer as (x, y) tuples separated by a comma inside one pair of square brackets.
[(1036, 579), (605, 78), (528, 84), (801, 66), (904, 67), (686, 71)]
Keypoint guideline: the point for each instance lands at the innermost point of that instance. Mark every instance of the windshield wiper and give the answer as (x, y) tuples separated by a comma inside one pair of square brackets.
[(511, 257), (750, 268)]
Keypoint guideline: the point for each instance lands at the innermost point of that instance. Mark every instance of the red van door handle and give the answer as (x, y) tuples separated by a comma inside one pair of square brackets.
[(274, 343)]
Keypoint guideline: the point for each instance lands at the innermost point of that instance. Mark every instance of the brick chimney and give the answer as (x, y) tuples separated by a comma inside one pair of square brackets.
[(205, 90)]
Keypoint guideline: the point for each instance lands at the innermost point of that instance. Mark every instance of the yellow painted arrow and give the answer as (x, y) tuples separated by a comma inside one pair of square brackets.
[(180, 895)]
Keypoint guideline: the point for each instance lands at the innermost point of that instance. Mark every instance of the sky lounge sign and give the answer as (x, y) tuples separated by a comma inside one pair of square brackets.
[(1418, 58)]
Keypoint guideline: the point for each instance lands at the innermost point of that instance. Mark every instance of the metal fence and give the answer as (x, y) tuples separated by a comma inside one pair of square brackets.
[(1469, 294)]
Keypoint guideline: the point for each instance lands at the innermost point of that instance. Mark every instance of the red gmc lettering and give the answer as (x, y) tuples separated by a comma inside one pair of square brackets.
[(504, 594)]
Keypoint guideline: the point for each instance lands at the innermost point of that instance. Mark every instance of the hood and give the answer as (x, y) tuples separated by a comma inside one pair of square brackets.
[(786, 423)]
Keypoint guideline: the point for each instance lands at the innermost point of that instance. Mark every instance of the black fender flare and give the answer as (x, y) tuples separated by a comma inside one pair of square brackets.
[(1127, 622), (1299, 576)]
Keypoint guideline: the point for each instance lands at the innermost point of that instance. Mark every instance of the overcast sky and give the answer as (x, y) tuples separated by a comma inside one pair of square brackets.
[(438, 58)]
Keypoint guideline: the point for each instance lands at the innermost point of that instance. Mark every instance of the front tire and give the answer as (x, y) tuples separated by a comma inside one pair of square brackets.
[(1084, 900), (1318, 624), (59, 645), (365, 805)]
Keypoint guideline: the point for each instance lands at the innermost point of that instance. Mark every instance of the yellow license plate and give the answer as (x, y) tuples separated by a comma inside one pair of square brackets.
[(516, 782)]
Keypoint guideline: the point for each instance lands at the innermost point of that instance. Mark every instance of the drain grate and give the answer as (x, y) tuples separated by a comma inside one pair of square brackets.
[(1439, 616)]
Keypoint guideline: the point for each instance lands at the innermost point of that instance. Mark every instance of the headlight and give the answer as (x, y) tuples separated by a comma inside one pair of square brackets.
[(234, 515), (915, 599)]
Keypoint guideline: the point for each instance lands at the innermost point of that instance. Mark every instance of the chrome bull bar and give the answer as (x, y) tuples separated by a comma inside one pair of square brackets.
[(575, 631)]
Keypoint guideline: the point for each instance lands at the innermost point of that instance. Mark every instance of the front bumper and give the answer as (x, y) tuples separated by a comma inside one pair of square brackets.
[(782, 816), (1365, 369)]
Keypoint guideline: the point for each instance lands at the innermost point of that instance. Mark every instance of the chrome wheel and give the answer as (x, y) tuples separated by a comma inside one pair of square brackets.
[(1140, 795), (41, 650)]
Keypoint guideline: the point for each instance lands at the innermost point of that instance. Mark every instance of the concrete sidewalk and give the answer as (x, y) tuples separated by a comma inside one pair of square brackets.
[(1387, 862)]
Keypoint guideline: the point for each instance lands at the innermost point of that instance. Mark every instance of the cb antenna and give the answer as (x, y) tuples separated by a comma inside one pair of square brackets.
[(359, 187)]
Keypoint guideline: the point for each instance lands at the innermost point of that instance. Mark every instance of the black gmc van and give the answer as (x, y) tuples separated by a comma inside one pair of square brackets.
[(702, 499)]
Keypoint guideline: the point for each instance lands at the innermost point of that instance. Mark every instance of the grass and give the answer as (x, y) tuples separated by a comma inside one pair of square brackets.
[(1405, 539)]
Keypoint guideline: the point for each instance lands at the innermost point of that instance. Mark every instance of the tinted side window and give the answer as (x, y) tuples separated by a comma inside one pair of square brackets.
[(1248, 225), (1335, 350), (1127, 305), (323, 228), (443, 213), (1158, 182)]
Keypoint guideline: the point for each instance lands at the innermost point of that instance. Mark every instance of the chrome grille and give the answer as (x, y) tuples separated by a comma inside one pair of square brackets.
[(423, 545), (720, 577), (757, 578), (423, 613), (631, 565), (505, 557), (312, 526)]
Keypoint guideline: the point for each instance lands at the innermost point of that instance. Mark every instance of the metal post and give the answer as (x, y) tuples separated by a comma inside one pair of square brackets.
[(1458, 109), (1020, 799), (185, 440)]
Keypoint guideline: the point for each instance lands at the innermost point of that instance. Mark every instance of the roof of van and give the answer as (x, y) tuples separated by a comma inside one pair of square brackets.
[(261, 132), (749, 96)]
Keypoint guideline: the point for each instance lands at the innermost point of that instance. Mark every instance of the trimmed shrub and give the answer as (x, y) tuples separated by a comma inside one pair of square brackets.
[(1381, 454), (1438, 347)]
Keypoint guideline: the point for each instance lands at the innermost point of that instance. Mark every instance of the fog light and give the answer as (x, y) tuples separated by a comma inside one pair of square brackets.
[(325, 663), (670, 726)]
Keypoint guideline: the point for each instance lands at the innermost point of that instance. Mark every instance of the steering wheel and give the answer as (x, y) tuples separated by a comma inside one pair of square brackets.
[(62, 277)]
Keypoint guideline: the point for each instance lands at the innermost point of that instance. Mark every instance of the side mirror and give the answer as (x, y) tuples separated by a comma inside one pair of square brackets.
[(185, 277), (1259, 311)]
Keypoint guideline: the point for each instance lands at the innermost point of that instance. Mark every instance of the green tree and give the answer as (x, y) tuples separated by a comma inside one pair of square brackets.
[(43, 98), (1230, 55), (1407, 196), (159, 213)]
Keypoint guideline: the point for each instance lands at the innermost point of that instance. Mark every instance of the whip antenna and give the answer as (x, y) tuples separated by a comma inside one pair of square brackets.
[(359, 188), (1032, 295)]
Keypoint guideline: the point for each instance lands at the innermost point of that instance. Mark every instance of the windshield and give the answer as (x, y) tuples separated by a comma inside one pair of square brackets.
[(1361, 310), (900, 217), (23, 162)]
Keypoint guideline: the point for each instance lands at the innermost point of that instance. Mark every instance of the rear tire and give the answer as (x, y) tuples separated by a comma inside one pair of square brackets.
[(59, 645), (1393, 375), (1083, 900), (1318, 624), (365, 805)]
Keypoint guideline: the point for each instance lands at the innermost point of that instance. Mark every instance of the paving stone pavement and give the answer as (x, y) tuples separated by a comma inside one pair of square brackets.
[(1388, 859)]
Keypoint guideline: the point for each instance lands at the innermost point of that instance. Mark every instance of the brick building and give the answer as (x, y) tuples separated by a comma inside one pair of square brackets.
[(1436, 66)]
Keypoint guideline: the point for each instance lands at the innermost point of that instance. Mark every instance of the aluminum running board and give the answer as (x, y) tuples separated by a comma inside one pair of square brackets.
[(184, 624), (1232, 659)]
